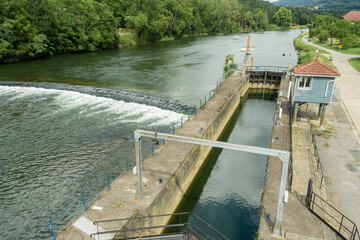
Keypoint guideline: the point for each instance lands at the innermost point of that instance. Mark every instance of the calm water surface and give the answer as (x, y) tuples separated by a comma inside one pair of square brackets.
[(55, 141)]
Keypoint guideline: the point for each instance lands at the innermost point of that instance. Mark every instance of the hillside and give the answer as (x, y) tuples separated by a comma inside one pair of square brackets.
[(321, 4)]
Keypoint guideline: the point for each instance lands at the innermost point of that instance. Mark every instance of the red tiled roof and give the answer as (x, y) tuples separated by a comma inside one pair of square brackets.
[(315, 68), (352, 16)]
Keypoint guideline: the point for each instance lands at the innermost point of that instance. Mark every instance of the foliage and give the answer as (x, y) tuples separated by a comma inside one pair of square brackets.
[(307, 52), (350, 41), (355, 62), (325, 26), (127, 39), (283, 17), (321, 4), (323, 36), (33, 28)]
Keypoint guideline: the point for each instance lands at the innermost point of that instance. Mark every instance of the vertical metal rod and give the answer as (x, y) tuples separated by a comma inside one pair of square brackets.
[(83, 200), (342, 218), (139, 195), (173, 125), (280, 208), (51, 231), (181, 122), (152, 149), (108, 180), (127, 164)]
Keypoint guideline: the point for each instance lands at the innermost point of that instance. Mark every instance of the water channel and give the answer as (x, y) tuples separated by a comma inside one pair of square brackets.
[(62, 128)]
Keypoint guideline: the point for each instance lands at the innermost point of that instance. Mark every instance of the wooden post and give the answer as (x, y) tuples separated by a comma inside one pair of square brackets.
[(296, 106), (321, 107), (322, 120)]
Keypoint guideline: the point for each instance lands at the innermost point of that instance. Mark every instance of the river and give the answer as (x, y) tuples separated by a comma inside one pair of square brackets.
[(67, 120)]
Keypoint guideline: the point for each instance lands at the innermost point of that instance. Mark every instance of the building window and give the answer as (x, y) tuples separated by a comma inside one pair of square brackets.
[(305, 82)]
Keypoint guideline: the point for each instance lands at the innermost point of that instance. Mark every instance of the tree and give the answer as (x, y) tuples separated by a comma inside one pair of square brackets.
[(342, 29), (283, 17), (323, 36), (349, 41)]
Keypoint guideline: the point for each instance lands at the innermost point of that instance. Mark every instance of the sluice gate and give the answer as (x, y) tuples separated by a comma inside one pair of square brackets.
[(265, 76)]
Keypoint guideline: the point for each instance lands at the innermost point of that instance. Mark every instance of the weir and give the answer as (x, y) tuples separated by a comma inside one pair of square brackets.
[(168, 174)]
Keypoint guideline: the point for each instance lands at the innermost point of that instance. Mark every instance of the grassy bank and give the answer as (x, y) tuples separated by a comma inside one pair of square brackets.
[(334, 47), (355, 62), (307, 53), (129, 39)]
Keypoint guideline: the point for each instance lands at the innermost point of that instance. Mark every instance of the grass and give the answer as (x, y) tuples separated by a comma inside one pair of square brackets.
[(166, 38), (307, 53), (128, 40), (334, 47), (355, 62)]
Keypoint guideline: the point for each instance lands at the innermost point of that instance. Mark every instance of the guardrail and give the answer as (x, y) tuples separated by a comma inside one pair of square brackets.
[(142, 228), (337, 221), (82, 202), (266, 68)]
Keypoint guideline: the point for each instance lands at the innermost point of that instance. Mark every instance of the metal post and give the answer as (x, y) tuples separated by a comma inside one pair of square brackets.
[(342, 218), (139, 195), (127, 164), (51, 231), (152, 149), (278, 222), (181, 122), (173, 128), (83, 200), (108, 180)]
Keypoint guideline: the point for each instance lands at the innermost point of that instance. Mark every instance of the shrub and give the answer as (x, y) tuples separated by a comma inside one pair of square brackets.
[(349, 41), (323, 36)]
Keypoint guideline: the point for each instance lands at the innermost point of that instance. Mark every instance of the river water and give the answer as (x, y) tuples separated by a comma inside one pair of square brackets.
[(67, 120)]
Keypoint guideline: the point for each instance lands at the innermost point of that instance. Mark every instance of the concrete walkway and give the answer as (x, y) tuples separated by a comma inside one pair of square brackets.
[(349, 85)]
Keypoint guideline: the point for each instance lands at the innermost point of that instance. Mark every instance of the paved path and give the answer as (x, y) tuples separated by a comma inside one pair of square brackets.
[(349, 85)]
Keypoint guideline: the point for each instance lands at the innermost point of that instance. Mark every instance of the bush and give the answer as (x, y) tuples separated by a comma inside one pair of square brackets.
[(226, 68), (232, 65), (349, 41), (323, 36)]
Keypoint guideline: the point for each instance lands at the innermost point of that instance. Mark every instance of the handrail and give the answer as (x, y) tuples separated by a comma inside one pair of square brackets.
[(137, 229), (311, 202), (133, 218)]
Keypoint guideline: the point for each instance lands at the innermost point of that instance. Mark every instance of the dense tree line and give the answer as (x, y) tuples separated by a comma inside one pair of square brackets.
[(322, 4), (326, 26), (30, 28)]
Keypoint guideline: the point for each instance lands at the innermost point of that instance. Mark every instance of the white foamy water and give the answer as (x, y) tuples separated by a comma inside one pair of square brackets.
[(89, 105)]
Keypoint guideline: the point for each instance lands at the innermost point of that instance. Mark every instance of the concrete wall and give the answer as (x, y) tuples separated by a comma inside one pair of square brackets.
[(171, 195)]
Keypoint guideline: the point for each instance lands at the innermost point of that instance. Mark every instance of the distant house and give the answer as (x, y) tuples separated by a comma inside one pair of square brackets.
[(352, 16), (314, 83)]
